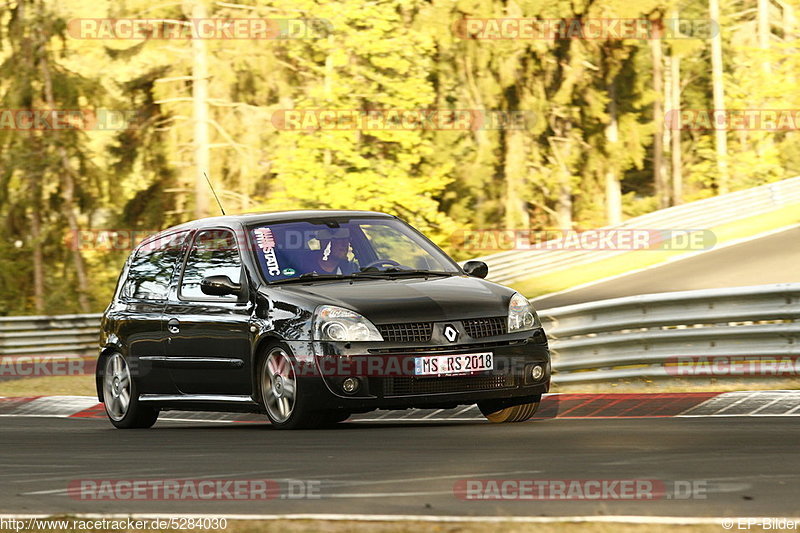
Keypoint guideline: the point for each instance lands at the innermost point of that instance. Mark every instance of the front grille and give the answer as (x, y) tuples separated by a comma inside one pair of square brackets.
[(485, 327), (409, 332), (412, 386), (460, 348)]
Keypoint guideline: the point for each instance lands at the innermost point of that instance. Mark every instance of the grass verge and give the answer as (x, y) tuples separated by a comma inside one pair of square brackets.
[(49, 386), (347, 526), (578, 275), (640, 386)]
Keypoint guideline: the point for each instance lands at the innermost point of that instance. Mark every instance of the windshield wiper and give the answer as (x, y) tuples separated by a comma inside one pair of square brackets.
[(311, 276), (397, 272), (377, 274)]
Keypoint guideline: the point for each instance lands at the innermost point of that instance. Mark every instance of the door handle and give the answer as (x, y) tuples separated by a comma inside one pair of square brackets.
[(174, 325)]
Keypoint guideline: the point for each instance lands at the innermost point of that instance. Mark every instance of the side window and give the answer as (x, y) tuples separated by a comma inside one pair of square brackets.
[(152, 266), (213, 253)]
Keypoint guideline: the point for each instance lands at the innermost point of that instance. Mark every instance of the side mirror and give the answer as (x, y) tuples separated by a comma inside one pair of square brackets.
[(219, 286), (477, 269)]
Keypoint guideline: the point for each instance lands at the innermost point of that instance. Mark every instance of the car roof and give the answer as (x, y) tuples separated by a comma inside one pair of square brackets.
[(235, 221)]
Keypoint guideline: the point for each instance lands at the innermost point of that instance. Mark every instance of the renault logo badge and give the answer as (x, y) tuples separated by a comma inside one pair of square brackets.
[(450, 333)]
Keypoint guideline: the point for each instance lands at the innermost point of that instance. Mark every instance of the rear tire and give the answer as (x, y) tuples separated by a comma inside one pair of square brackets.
[(496, 413), (121, 397)]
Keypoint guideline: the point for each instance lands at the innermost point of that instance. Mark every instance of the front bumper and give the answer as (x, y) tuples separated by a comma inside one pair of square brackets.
[(386, 380)]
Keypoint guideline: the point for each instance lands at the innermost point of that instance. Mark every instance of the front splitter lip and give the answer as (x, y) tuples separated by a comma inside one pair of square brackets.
[(439, 400)]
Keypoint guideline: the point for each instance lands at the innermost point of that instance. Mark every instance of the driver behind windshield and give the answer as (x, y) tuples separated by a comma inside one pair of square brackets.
[(331, 258)]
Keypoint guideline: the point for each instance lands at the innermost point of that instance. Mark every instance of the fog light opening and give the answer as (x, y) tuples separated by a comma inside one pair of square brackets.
[(537, 372), (350, 385)]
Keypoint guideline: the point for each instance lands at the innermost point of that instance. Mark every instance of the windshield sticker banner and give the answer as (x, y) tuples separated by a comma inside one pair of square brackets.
[(266, 241)]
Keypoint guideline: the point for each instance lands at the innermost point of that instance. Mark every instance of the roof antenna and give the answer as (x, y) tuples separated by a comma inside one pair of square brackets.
[(215, 194)]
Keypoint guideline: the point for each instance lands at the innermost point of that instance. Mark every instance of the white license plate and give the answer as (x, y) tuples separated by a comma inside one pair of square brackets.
[(443, 365)]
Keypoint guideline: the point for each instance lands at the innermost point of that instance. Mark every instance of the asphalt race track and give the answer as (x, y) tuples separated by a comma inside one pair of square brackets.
[(742, 465), (771, 259)]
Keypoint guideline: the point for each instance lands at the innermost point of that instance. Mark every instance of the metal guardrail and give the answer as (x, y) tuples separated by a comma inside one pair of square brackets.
[(506, 267), (645, 336), (61, 335), (652, 335)]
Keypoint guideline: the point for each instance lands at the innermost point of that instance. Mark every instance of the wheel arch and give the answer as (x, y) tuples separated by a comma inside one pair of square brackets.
[(106, 351), (259, 352)]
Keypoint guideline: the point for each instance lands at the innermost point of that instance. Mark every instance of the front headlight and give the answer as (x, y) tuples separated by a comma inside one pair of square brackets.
[(521, 315), (332, 323)]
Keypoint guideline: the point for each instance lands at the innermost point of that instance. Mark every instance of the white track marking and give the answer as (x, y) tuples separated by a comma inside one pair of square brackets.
[(432, 478), (44, 492), (737, 402), (792, 411), (78, 475), (68, 406), (773, 402), (719, 404), (367, 495), (56, 405)]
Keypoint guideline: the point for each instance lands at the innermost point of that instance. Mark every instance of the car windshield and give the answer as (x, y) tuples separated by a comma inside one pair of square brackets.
[(345, 248)]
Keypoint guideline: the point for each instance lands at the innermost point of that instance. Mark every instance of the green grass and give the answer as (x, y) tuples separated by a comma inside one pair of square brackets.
[(679, 385), (348, 526), (578, 275), (49, 386)]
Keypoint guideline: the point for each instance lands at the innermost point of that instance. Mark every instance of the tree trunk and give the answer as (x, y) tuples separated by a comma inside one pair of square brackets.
[(764, 31), (37, 256), (675, 105), (720, 135), (68, 189), (35, 190), (515, 212), (612, 183), (659, 181), (563, 185), (763, 34), (200, 108), (564, 207)]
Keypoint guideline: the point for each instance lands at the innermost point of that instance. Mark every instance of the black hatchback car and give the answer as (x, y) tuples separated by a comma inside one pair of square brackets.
[(309, 317)]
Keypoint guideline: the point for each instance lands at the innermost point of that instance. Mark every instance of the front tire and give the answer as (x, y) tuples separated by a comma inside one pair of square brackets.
[(331, 418), (121, 398), (497, 413), (281, 391)]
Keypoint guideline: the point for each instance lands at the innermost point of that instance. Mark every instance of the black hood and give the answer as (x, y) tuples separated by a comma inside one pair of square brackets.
[(385, 301)]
